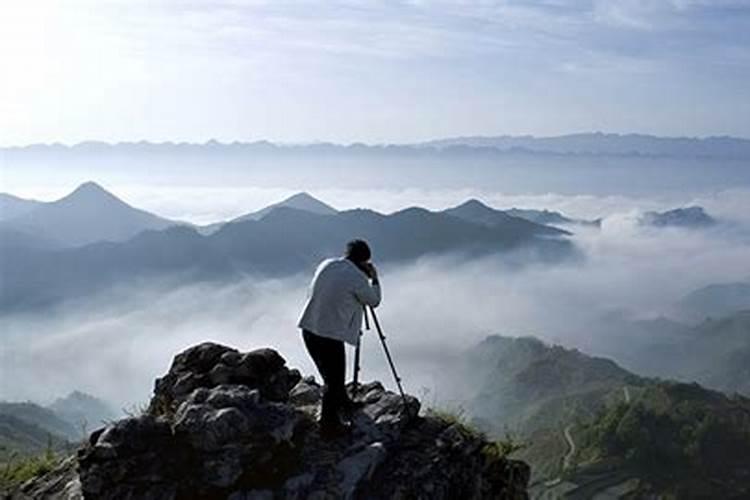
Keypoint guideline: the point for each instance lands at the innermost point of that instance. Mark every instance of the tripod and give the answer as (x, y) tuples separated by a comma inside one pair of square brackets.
[(387, 354)]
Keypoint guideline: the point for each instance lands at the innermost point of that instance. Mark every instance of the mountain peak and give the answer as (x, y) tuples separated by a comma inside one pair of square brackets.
[(217, 407), (305, 201), (302, 195), (474, 203), (300, 201), (90, 190)]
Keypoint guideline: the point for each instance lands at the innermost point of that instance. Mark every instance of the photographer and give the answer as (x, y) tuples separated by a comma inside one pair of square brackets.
[(340, 289)]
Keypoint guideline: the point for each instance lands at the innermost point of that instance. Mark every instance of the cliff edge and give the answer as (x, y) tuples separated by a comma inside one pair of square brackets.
[(240, 426)]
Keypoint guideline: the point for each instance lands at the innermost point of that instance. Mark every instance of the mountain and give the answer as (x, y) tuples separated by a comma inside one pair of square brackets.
[(228, 424), (283, 242), (83, 410), (718, 354), (598, 143), (589, 143), (688, 217), (13, 206), (670, 440), (12, 239), (532, 390), (88, 214), (719, 299), (548, 217), (27, 428), (592, 428), (689, 165), (715, 352), (300, 201), (477, 212), (519, 383)]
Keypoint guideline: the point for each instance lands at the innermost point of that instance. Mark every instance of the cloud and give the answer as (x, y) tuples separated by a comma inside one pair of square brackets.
[(115, 344)]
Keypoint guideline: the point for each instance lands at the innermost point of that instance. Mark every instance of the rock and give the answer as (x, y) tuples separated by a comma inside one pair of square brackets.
[(306, 392), (61, 482), (225, 424), (359, 467), (209, 364)]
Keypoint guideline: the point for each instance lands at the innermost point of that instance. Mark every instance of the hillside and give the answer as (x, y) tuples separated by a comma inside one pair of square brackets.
[(525, 384), (88, 214), (715, 352), (719, 299), (569, 407), (677, 440), (27, 428), (13, 206), (226, 424)]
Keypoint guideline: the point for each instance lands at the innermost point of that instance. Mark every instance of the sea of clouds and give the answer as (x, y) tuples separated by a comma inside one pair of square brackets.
[(115, 344)]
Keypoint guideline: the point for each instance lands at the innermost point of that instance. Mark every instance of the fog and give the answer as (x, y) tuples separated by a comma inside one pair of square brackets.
[(115, 344)]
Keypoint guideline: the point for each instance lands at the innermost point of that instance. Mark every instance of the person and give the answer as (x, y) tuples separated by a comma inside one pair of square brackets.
[(339, 291)]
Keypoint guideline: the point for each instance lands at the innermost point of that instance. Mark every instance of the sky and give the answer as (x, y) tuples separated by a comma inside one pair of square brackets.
[(373, 72)]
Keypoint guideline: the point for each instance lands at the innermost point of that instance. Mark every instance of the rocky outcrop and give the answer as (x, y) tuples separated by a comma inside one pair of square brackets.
[(241, 426)]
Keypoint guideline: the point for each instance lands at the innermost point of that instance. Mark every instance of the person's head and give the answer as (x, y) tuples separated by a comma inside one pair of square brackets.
[(358, 251)]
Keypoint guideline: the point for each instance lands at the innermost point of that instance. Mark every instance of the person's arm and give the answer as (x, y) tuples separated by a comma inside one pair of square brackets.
[(369, 293)]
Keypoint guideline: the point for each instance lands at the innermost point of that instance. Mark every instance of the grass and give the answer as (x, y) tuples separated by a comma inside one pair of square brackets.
[(493, 448), (133, 411), (18, 469)]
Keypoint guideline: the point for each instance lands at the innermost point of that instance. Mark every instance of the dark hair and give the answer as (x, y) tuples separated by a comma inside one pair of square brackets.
[(358, 251)]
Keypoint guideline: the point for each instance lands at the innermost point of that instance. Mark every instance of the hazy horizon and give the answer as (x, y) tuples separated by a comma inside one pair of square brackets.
[(372, 143), (348, 71)]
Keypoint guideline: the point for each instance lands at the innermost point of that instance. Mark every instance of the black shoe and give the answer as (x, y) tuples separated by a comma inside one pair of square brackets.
[(334, 430), (348, 412), (350, 406)]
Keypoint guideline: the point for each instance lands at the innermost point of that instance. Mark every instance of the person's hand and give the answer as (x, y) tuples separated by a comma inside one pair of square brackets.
[(370, 270)]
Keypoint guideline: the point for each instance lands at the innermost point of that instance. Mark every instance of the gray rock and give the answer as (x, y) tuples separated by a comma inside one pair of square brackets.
[(359, 467), (306, 392), (225, 424)]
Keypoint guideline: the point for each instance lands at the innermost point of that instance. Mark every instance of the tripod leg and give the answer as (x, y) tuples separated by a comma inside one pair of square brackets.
[(356, 366), (390, 362), (356, 353)]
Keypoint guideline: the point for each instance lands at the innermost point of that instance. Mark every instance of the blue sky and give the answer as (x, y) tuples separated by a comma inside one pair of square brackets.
[(370, 71)]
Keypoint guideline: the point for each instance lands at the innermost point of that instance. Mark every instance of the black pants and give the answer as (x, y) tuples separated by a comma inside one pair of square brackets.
[(330, 358)]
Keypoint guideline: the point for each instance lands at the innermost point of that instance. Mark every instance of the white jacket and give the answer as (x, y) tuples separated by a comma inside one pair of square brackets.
[(335, 300)]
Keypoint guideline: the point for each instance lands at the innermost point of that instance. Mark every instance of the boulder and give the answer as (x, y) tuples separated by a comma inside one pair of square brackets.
[(226, 424)]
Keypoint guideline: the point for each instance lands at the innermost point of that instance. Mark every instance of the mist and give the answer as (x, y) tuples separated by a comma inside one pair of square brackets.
[(116, 344)]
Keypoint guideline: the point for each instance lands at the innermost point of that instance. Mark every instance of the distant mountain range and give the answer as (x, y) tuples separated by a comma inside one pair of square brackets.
[(607, 144), (597, 143), (272, 242)]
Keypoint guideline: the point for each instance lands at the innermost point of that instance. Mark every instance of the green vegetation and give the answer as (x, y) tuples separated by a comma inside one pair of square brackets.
[(17, 469), (675, 435), (494, 448), (504, 447), (455, 416)]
